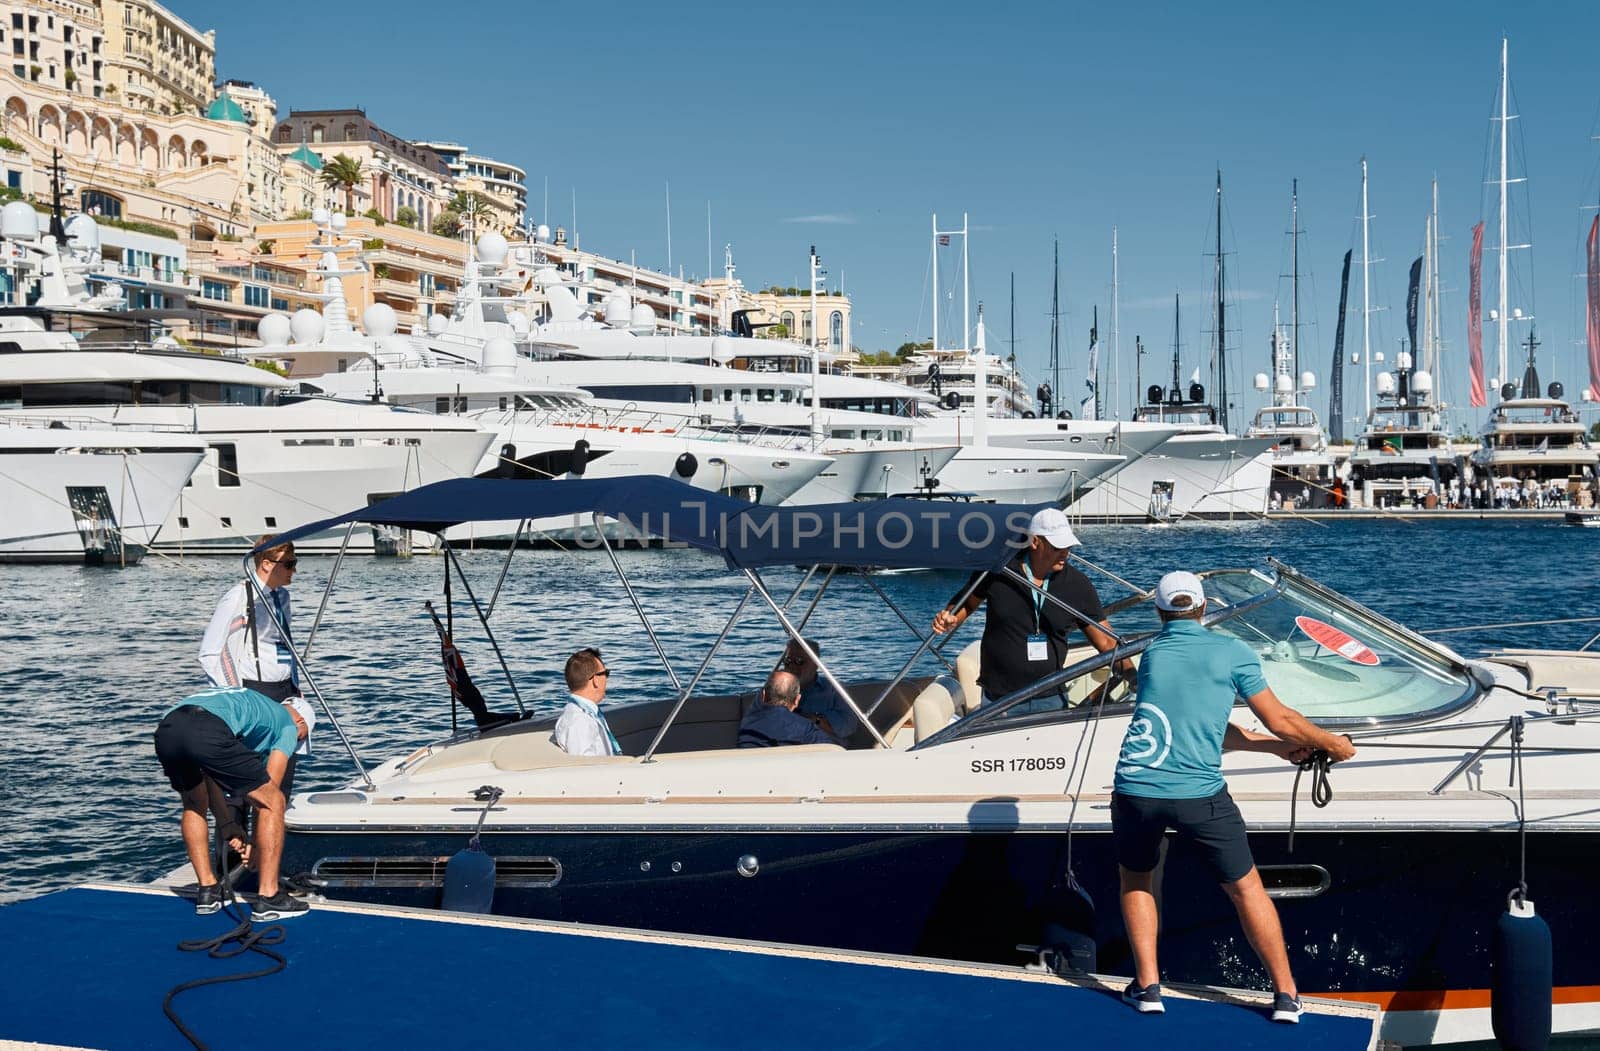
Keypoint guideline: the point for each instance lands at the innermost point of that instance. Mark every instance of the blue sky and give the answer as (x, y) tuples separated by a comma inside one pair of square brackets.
[(845, 125)]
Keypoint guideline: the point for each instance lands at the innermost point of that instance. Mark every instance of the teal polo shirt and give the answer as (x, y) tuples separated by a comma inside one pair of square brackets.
[(263, 724), (1189, 679)]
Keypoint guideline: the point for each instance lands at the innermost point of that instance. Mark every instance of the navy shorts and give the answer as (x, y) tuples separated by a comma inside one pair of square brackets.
[(1213, 825), (193, 743)]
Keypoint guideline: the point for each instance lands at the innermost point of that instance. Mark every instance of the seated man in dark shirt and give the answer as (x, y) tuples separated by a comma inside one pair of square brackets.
[(1025, 636), (773, 721)]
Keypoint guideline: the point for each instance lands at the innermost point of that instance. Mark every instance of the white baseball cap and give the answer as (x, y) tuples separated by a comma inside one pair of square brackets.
[(308, 715), (1176, 585), (1052, 524)]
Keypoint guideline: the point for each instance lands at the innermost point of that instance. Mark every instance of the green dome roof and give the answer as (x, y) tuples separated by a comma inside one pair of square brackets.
[(306, 157), (224, 108)]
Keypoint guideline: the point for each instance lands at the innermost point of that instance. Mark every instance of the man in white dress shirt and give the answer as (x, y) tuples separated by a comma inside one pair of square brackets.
[(582, 729)]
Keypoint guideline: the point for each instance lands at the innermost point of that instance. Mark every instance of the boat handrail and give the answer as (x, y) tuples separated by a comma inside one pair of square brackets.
[(95, 423)]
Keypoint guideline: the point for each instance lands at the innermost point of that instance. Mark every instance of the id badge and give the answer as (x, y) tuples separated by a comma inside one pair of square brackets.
[(1038, 648)]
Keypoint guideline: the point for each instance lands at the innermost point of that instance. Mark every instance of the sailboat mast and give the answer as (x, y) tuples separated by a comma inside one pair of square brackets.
[(1294, 280), (1055, 327), (1013, 341), (936, 300), (966, 285), (1503, 320), (1222, 320), (1116, 334), (1366, 290), (1177, 330), (1436, 344)]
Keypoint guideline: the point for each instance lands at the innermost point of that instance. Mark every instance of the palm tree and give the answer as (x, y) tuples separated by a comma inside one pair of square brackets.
[(471, 206), (343, 173)]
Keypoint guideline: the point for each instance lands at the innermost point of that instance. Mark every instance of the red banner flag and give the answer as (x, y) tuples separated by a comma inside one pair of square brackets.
[(1475, 319), (1594, 309)]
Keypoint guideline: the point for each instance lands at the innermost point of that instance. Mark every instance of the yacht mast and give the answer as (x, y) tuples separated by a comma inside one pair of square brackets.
[(1503, 319), (1366, 291), (1294, 280), (1055, 328), (1436, 337), (1116, 335), (1013, 341), (816, 365), (1222, 320), (936, 301)]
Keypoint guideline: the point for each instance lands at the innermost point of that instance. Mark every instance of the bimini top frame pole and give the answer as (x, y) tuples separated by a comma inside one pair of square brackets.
[(685, 693), (305, 673), (805, 647), (450, 553), (926, 640), (599, 528), (323, 605)]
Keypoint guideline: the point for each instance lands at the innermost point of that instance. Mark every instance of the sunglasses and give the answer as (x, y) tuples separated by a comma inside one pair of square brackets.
[(292, 563), (601, 674)]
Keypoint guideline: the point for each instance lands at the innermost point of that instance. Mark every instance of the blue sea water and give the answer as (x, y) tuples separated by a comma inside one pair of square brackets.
[(90, 658)]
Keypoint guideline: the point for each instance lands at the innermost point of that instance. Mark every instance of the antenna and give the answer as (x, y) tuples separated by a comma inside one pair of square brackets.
[(669, 227), (1116, 335), (1055, 324), (1366, 290), (1222, 321)]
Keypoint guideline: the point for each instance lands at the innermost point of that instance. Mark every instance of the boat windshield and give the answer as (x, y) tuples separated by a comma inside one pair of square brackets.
[(1336, 662)]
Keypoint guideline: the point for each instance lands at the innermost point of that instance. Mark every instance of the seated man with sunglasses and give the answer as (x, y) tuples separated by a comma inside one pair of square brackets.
[(581, 728)]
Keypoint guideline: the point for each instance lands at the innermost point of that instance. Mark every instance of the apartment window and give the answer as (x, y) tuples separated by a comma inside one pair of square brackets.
[(214, 290), (256, 296), (33, 23), (279, 304), (20, 70), (66, 34), (13, 179), (16, 21), (18, 48)]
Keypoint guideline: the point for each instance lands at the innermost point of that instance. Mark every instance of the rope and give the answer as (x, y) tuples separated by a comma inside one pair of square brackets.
[(1521, 893), (243, 938), (1321, 788)]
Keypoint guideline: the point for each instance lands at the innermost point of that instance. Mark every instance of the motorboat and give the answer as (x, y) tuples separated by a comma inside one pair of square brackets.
[(1533, 438), (1403, 456), (944, 827), (88, 494), (271, 463), (1302, 469)]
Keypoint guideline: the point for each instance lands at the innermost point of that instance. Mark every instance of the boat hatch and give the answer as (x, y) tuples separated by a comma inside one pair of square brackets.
[(427, 870)]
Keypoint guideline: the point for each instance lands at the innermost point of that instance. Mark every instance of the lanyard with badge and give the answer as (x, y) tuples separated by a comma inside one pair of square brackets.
[(1038, 642)]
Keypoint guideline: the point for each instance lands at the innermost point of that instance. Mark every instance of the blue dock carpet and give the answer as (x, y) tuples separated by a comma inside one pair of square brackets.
[(88, 967)]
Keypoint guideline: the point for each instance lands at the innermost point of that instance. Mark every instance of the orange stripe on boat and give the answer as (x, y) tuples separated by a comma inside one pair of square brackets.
[(1454, 999)]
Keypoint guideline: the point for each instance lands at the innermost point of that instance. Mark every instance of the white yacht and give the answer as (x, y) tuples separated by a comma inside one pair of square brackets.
[(1302, 469), (871, 428), (1403, 457), (270, 465), (1538, 439), (75, 493)]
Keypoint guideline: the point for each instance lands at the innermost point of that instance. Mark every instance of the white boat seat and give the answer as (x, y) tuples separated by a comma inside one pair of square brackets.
[(1077, 693), (967, 673), (940, 702)]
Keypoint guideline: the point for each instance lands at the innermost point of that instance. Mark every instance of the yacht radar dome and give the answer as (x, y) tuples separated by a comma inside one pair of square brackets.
[(1377, 357), (500, 357), (1402, 360), (1308, 381), (1285, 385), (520, 322), (19, 222), (722, 349), (379, 320), (617, 308), (643, 320), (1385, 383), (274, 330), (1262, 384), (338, 221), (542, 233), (83, 232), (492, 248), (1422, 381), (319, 216), (306, 326), (437, 323)]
